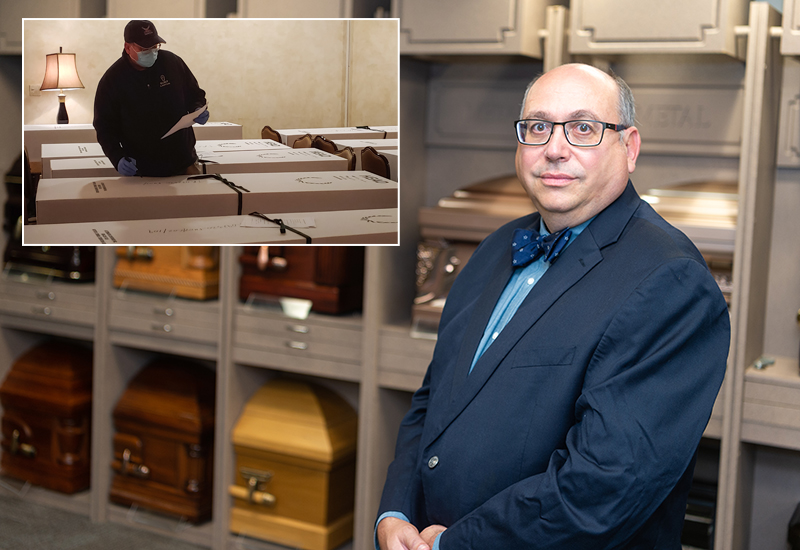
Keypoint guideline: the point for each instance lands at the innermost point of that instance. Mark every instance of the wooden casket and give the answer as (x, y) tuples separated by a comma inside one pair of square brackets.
[(69, 263), (164, 439), (295, 446), (331, 277), (47, 411), (183, 271)]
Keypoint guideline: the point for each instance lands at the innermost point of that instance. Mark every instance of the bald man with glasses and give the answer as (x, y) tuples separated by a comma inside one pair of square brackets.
[(139, 99), (579, 355)]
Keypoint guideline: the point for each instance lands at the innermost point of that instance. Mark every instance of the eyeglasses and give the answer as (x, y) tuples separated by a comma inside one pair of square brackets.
[(138, 49), (580, 133)]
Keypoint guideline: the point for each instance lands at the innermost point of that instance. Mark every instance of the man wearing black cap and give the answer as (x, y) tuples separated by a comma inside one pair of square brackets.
[(139, 99)]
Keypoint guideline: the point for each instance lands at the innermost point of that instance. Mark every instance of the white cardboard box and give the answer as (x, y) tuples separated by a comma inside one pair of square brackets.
[(392, 132), (291, 134), (233, 161), (217, 130), (276, 160), (94, 167), (222, 145), (36, 135), (363, 227), (52, 151), (71, 200)]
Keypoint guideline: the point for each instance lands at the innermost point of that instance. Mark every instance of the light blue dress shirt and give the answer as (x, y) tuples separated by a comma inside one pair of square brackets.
[(515, 292)]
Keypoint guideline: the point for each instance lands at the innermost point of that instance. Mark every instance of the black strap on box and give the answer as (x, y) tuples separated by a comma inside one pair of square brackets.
[(203, 162), (237, 188), (368, 128), (282, 225)]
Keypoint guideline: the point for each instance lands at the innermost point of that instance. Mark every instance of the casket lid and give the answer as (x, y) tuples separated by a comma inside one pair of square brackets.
[(172, 394), (54, 375), (300, 419), (475, 211)]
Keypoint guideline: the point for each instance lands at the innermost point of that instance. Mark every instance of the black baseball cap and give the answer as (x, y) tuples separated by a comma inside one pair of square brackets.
[(142, 33)]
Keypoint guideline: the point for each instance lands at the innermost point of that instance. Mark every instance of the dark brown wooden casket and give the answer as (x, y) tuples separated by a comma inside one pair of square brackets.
[(295, 447), (331, 277), (47, 411), (69, 263), (183, 271), (164, 439)]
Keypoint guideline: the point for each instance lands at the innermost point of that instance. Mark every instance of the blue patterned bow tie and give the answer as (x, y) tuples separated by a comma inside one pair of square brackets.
[(528, 245)]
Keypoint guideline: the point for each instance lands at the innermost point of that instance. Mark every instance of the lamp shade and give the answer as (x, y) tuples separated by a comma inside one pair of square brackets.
[(61, 73)]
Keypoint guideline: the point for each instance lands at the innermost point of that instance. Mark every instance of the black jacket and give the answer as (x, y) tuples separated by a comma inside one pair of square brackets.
[(133, 109)]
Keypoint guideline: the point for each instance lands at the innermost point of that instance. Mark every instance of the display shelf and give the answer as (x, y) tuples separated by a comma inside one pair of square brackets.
[(771, 413), (40, 298), (402, 359), (315, 345), (77, 503), (163, 323), (162, 525)]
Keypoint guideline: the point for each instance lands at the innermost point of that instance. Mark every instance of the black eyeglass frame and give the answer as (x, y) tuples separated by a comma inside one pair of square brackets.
[(605, 126)]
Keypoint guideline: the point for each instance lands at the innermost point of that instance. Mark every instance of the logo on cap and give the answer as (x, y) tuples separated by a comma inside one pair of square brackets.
[(147, 30)]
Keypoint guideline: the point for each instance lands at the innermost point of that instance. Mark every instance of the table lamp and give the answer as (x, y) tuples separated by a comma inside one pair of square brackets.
[(61, 74)]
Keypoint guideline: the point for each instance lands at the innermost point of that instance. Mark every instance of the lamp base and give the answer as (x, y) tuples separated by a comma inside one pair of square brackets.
[(63, 117)]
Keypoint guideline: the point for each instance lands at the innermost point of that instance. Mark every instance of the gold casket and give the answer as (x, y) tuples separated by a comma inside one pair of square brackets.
[(295, 446)]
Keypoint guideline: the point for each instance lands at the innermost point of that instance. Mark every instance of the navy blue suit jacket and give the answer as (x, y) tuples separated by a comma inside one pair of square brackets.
[(579, 425)]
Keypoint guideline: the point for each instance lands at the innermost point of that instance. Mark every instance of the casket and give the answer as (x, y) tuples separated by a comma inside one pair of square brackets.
[(451, 232), (706, 211), (295, 446), (164, 439), (331, 277), (183, 271), (71, 263), (47, 410)]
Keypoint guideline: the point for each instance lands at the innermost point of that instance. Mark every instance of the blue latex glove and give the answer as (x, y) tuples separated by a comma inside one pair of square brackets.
[(127, 166), (202, 118)]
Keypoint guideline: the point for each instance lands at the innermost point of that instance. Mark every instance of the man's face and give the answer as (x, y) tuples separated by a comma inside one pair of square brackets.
[(568, 184), (134, 50)]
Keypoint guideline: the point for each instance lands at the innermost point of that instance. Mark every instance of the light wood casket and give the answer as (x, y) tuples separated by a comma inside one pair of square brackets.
[(183, 271), (295, 446), (164, 439), (47, 410)]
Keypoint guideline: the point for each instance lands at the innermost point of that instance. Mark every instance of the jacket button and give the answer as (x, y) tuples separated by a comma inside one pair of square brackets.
[(434, 460)]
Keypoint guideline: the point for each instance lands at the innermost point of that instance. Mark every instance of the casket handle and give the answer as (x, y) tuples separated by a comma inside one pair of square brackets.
[(254, 492), (131, 468), (274, 263), (24, 449)]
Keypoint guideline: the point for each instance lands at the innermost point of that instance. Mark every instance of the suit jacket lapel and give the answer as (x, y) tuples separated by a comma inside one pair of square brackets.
[(578, 259), (480, 318)]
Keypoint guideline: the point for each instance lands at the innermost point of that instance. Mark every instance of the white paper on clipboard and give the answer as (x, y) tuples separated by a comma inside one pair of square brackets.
[(185, 121)]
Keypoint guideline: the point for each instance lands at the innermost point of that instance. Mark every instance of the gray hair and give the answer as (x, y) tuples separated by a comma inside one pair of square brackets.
[(626, 106)]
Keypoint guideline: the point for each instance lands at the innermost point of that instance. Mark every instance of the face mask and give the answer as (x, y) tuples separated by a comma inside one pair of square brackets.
[(147, 59)]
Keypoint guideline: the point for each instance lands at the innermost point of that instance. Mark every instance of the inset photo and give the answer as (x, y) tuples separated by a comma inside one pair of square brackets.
[(210, 131)]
